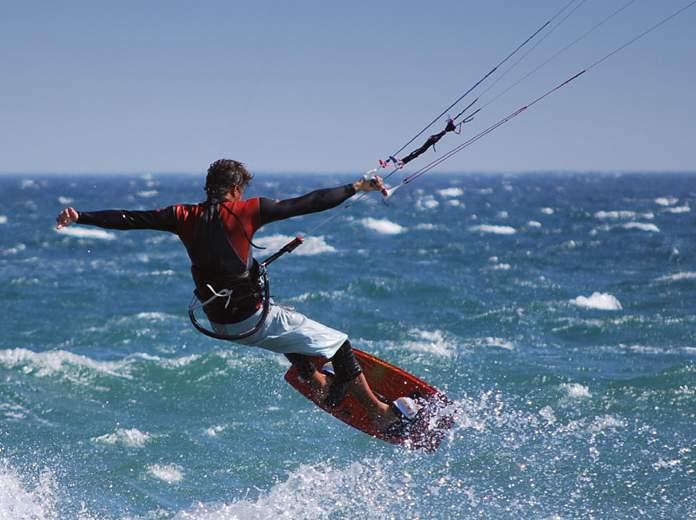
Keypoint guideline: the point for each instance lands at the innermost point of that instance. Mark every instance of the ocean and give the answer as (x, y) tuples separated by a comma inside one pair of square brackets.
[(557, 311)]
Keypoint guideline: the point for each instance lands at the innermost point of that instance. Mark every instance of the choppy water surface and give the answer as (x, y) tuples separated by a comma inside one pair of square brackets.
[(558, 312)]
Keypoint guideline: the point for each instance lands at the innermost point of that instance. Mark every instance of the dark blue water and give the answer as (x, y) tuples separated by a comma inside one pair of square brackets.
[(557, 311)]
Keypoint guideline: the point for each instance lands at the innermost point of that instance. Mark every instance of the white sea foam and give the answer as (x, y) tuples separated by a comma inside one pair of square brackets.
[(24, 500), (382, 226), (318, 295), (169, 473), (65, 200), (313, 245), (432, 342), (147, 194), (451, 192), (14, 250), (213, 431), (665, 464), (128, 438), (547, 413), (496, 342), (677, 277), (678, 209), (496, 230), (666, 201), (426, 226), (427, 202), (29, 184), (598, 301), (59, 362), (576, 390), (533, 224), (606, 422), (614, 215), (310, 491), (652, 228), (547, 211), (455, 203), (77, 232), (3, 219)]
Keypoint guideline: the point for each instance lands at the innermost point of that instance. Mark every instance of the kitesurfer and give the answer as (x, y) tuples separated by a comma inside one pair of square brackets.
[(218, 235)]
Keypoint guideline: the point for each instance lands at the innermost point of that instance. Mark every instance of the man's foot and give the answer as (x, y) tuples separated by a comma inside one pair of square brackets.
[(401, 412), (384, 417)]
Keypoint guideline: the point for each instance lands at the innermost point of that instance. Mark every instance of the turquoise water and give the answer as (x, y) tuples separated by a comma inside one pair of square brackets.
[(557, 311)]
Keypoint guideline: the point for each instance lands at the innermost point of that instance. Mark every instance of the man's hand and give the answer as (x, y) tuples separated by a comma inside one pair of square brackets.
[(66, 217), (370, 184)]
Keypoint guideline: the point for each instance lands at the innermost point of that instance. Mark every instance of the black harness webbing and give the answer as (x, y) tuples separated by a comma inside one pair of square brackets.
[(263, 281)]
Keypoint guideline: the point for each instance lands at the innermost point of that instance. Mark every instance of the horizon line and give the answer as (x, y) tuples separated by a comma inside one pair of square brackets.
[(311, 173)]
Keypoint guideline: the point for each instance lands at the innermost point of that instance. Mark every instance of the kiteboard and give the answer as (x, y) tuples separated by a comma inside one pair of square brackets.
[(426, 431)]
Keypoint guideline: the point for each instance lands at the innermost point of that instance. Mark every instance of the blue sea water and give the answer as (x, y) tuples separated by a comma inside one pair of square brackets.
[(557, 311)]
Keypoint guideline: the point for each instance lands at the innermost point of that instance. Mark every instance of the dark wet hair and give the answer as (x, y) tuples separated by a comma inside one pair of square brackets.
[(223, 175)]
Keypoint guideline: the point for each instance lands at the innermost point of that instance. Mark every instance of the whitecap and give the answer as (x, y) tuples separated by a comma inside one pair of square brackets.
[(427, 226), (65, 200), (676, 277), (455, 203), (44, 364), (213, 431), (313, 245), (20, 500), (576, 390), (383, 226), (14, 250), (606, 422), (451, 192), (547, 413), (547, 211), (76, 232), (496, 342), (666, 201), (496, 230), (128, 438), (666, 464), (598, 301), (652, 228), (147, 194), (678, 209), (427, 202), (368, 490), (533, 224), (318, 295), (431, 342), (614, 215), (169, 473), (3, 219), (29, 184)]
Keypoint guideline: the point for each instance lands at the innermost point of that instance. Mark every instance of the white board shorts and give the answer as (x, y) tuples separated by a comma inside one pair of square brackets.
[(286, 331)]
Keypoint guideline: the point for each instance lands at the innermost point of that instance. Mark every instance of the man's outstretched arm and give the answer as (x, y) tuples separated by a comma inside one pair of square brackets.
[(318, 200), (160, 219)]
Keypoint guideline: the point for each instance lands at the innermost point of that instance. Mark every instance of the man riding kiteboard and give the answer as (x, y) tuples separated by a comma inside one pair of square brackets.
[(218, 235)]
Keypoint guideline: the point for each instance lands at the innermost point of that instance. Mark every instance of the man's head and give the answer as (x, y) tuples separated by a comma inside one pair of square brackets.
[(225, 175)]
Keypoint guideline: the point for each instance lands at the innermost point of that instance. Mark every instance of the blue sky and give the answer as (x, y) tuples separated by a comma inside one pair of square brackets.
[(312, 86)]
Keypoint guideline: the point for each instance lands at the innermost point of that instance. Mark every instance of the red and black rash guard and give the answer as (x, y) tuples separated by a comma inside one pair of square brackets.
[(217, 236)]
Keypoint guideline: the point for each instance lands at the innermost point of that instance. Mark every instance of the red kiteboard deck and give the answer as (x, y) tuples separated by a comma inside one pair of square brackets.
[(389, 382)]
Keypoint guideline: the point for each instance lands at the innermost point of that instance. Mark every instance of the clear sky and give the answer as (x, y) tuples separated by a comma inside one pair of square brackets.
[(311, 86)]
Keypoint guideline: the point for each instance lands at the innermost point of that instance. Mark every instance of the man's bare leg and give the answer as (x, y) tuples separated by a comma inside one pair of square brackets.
[(380, 413)]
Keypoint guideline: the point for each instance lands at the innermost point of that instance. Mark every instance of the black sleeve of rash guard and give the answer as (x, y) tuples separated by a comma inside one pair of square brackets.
[(159, 219), (319, 200)]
